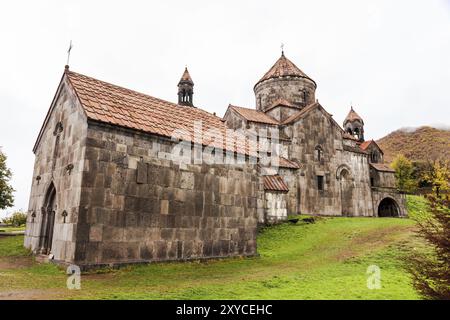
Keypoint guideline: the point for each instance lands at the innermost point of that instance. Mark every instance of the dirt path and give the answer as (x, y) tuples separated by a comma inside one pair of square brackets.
[(15, 262), (32, 294)]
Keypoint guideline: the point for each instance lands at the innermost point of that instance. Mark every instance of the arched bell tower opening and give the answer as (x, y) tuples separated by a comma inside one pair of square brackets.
[(354, 125), (48, 211), (388, 208), (186, 90)]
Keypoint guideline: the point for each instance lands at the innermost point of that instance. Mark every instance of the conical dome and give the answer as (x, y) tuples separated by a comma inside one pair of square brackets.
[(186, 77), (352, 116), (186, 89), (354, 125), (284, 81), (283, 68)]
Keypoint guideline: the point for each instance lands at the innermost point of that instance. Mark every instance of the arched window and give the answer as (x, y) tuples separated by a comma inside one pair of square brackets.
[(57, 133), (320, 183), (374, 157), (319, 153)]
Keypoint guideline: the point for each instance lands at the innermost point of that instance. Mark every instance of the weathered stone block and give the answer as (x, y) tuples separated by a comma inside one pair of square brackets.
[(164, 207), (141, 172), (146, 251), (187, 180), (95, 233)]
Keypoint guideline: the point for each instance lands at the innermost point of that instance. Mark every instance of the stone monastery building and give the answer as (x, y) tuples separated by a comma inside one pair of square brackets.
[(107, 189)]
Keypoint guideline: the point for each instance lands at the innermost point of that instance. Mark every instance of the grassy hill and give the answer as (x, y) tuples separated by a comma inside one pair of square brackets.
[(325, 260), (417, 144)]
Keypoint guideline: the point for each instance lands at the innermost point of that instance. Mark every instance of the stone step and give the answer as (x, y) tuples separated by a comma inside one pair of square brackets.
[(43, 258)]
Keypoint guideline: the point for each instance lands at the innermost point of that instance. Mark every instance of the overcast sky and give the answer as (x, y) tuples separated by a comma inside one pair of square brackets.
[(390, 59)]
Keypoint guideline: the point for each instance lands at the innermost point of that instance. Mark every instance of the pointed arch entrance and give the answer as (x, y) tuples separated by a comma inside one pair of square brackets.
[(346, 190), (48, 220)]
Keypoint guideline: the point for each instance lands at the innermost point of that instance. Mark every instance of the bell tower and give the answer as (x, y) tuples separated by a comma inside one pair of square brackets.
[(186, 89), (354, 125)]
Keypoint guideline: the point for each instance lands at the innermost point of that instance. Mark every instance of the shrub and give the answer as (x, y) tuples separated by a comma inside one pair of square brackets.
[(404, 174), (430, 269), (17, 219)]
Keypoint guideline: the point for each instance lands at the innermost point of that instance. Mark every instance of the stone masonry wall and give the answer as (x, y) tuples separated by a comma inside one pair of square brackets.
[(383, 178), (275, 206), (314, 130), (289, 88), (234, 121), (52, 167), (175, 212), (281, 113), (291, 178), (381, 193)]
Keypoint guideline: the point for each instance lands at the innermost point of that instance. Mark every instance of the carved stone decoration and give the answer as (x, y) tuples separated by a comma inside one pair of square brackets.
[(64, 214), (58, 129), (69, 168)]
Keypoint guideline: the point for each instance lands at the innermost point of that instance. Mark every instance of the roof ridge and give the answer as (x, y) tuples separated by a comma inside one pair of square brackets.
[(234, 106), (365, 144), (127, 89), (240, 109), (196, 108), (109, 103), (301, 112), (279, 102)]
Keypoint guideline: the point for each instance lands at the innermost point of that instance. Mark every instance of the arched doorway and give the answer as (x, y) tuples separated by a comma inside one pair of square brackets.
[(48, 220), (346, 189), (388, 208)]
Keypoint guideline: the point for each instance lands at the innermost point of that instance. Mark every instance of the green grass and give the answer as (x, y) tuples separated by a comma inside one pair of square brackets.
[(417, 207), (324, 260), (9, 229), (12, 247)]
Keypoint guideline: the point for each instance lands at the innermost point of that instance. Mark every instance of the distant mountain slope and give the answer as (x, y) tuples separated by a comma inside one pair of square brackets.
[(416, 144)]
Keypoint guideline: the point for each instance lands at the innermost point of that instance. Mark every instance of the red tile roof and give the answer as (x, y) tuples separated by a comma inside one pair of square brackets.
[(275, 183), (282, 68), (115, 105), (353, 116), (382, 167), (364, 145), (301, 113), (281, 102), (354, 149), (186, 76), (254, 115), (285, 163)]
